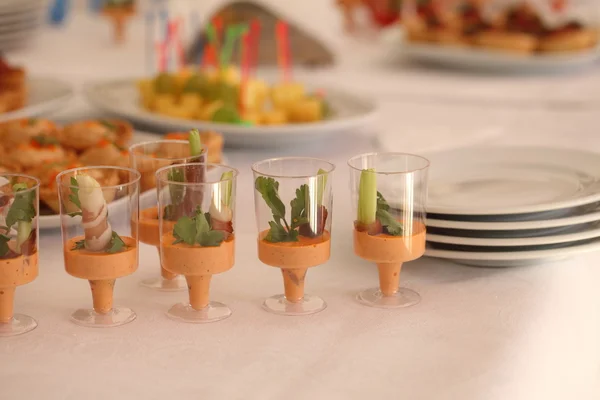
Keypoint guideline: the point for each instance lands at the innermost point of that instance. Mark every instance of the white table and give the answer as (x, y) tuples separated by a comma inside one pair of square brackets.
[(519, 334)]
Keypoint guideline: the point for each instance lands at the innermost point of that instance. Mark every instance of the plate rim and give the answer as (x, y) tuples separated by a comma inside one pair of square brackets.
[(527, 209), (496, 60), (514, 256), (312, 129), (525, 241), (587, 217)]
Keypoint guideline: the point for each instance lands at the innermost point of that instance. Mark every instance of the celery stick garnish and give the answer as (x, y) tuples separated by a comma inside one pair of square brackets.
[(228, 188), (367, 197), (195, 143), (321, 184)]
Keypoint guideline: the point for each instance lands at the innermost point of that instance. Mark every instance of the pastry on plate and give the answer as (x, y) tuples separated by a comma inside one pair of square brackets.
[(23, 130), (512, 42), (85, 134), (429, 24), (13, 87), (38, 151), (572, 36)]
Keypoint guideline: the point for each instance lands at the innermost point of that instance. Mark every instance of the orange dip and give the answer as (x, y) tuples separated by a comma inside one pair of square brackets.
[(18, 271), (100, 265), (14, 272), (198, 264), (148, 227), (390, 249), (184, 259), (306, 252), (149, 232), (389, 252)]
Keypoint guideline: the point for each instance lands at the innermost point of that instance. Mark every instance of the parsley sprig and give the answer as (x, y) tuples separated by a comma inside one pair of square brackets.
[(108, 124), (197, 230), (74, 197), (387, 220), (4, 249), (280, 230), (44, 140), (21, 212)]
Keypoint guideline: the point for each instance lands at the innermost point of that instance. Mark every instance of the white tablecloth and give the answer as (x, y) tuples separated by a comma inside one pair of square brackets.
[(494, 334)]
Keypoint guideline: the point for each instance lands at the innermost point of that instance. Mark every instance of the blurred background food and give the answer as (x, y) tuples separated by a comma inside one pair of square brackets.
[(43, 148), (13, 87)]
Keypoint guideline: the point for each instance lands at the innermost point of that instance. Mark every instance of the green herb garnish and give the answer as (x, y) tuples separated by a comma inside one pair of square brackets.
[(299, 207), (116, 244), (4, 249), (195, 84), (74, 197), (108, 124), (197, 230), (226, 114), (43, 140), (164, 84), (280, 230), (21, 212), (79, 245), (22, 208), (391, 225)]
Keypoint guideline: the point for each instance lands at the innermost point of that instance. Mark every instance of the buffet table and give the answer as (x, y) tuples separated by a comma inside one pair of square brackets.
[(519, 334)]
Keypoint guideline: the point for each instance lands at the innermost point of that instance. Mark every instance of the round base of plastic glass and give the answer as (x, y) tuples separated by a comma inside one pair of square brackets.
[(215, 311), (178, 284), (278, 304), (19, 325), (116, 317), (401, 299)]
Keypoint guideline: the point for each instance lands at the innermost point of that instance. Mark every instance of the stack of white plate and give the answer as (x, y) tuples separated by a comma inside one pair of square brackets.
[(19, 22), (513, 206)]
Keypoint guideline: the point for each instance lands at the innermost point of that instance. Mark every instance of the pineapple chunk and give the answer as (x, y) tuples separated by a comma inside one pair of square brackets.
[(163, 102), (251, 116), (177, 111), (274, 117), (285, 94), (181, 77), (306, 110), (255, 95), (190, 101), (229, 75), (206, 113)]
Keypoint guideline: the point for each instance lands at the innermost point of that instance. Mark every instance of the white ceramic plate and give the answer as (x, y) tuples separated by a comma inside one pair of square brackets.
[(582, 218), (511, 180), (514, 258), (470, 58), (590, 233), (46, 95), (351, 113)]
